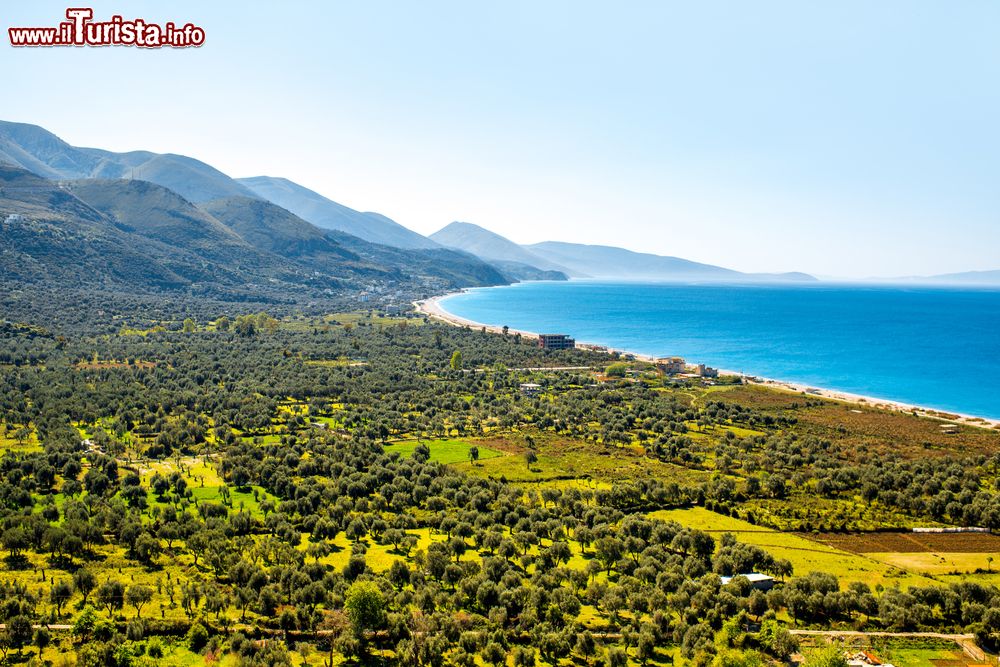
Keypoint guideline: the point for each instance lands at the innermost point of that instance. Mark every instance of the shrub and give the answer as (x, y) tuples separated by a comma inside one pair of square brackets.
[(135, 630), (616, 370), (154, 648), (197, 637)]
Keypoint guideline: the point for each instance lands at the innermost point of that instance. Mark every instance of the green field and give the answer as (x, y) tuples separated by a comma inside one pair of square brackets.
[(937, 563), (804, 554), (445, 451), (564, 461), (11, 440)]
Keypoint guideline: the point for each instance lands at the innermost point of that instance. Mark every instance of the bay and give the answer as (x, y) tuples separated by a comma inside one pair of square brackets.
[(937, 347)]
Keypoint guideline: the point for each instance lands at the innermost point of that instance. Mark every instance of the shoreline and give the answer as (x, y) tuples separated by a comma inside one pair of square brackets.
[(432, 308)]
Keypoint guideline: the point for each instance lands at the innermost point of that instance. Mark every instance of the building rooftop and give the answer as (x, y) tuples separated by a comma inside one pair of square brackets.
[(752, 577)]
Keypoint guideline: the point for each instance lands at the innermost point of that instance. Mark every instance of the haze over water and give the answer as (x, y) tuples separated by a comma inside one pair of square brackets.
[(931, 346)]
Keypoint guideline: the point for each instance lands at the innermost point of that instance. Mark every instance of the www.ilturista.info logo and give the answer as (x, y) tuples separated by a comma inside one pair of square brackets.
[(82, 30)]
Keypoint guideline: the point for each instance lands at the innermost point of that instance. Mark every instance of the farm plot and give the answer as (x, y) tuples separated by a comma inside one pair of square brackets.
[(936, 554), (805, 554), (445, 451), (908, 542)]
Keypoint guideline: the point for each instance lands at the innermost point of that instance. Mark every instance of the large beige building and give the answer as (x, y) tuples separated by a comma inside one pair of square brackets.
[(670, 365)]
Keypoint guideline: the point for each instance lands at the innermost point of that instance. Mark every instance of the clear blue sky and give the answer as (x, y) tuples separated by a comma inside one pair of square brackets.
[(849, 138)]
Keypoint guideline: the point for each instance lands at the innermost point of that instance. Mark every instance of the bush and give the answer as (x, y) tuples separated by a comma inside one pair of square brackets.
[(197, 637), (135, 630), (616, 370), (739, 659), (84, 623), (125, 654), (104, 630), (832, 656), (154, 648)]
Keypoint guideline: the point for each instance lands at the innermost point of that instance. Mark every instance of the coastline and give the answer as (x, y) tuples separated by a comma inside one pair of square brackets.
[(432, 308)]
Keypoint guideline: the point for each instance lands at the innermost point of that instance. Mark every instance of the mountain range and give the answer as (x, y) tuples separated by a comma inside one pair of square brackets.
[(315, 230), (183, 223), (966, 278), (576, 260), (499, 251), (43, 153), (328, 214), (137, 235)]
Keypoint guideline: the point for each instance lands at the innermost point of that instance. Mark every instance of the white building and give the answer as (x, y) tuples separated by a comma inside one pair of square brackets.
[(761, 582)]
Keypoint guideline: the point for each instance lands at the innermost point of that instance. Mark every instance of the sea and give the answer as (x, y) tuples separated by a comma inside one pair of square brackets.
[(936, 347)]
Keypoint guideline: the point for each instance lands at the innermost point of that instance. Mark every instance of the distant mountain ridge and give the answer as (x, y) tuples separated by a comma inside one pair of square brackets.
[(592, 261), (610, 262), (618, 263), (491, 246), (328, 214), (968, 278)]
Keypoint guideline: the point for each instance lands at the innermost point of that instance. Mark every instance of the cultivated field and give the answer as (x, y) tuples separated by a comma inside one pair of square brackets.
[(984, 543), (445, 451), (959, 555), (805, 554)]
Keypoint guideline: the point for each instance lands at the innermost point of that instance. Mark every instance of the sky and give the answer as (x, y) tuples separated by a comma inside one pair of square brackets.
[(850, 138)]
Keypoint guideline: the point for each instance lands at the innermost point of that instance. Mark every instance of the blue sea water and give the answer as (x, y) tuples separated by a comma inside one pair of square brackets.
[(931, 346)]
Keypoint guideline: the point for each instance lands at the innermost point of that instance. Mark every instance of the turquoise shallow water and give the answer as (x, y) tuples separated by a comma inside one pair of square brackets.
[(935, 347)]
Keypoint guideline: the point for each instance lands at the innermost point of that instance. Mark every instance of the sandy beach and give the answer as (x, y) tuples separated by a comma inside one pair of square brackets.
[(432, 308)]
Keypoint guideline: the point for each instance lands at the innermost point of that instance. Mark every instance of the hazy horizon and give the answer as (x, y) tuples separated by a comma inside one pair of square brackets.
[(850, 140)]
